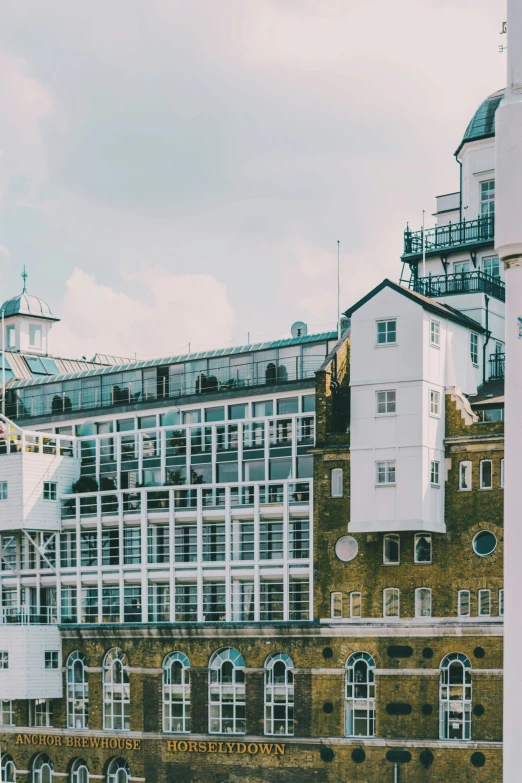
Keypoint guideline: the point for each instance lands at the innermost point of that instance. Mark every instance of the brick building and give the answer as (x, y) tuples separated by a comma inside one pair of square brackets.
[(278, 562)]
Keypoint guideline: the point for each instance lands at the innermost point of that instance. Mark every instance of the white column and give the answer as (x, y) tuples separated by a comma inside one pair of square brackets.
[(508, 242)]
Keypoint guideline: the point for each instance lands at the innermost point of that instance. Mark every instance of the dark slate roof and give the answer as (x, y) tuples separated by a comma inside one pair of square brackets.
[(490, 393), (443, 310), (482, 125)]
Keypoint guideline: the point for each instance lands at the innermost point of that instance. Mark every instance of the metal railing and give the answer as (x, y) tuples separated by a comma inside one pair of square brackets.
[(28, 615), (497, 366), (22, 402), (467, 232), (19, 442), (471, 282)]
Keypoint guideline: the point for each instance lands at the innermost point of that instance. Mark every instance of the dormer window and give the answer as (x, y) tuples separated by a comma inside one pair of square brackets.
[(35, 336)]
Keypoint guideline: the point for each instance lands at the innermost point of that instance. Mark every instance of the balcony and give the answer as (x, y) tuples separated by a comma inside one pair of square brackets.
[(497, 366), (28, 615), (460, 283), (452, 237)]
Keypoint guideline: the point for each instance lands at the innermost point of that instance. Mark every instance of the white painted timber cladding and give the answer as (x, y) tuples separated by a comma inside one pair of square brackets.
[(25, 474), (27, 677), (411, 437)]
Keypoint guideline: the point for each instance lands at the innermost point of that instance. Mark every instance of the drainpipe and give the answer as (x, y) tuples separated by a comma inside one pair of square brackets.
[(395, 773), (488, 335)]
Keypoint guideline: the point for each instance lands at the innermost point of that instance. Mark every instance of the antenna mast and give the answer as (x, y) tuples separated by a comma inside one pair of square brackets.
[(338, 293)]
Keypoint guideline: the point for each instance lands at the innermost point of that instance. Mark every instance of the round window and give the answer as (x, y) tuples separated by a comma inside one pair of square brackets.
[(346, 548), (484, 543)]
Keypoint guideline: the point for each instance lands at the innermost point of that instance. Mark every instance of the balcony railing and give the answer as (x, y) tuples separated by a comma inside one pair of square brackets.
[(497, 366), (472, 282), (468, 232), (28, 615)]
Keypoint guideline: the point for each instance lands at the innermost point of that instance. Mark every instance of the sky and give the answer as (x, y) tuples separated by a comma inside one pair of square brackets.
[(178, 172)]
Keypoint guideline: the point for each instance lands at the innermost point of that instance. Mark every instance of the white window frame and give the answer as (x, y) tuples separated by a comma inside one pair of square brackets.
[(434, 403), (336, 483), (226, 693), (336, 604), (388, 466), (387, 331), (4, 660), (388, 401), (393, 593), (428, 537), (359, 695), (434, 333), (487, 205), (482, 485), (422, 595), (490, 258), (77, 691), (474, 348), (116, 691), (435, 473), (176, 694), (7, 767), (6, 711), (79, 772), (462, 469), (355, 596), (4, 490), (42, 761), (50, 491), (117, 766), (485, 595), (41, 713), (460, 596), (279, 696), (455, 700), (385, 538)]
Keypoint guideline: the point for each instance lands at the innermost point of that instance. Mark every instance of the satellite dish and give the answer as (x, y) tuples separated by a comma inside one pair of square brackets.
[(299, 329)]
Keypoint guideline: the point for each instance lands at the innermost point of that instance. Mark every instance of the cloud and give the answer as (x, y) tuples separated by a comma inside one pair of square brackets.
[(167, 313)]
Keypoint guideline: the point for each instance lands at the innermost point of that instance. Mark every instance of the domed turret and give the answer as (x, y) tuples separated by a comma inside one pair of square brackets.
[(482, 125), (28, 321)]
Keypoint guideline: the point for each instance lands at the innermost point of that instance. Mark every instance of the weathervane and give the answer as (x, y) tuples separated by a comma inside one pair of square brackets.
[(24, 277)]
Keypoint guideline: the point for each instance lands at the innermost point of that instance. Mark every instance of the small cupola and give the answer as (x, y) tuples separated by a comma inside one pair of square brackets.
[(28, 321)]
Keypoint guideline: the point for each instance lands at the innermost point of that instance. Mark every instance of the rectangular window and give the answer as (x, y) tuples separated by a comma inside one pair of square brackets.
[(473, 348), (490, 414), (336, 607), (69, 605), (461, 267), (4, 659), (385, 472), (423, 602), (6, 712), (132, 545), (132, 612), (422, 548), (434, 473), (502, 474), (35, 336), (355, 605), (185, 544), (110, 547), (391, 550), (387, 332), (271, 540), (298, 599), (3, 490), (484, 599), (11, 336), (68, 549), (271, 601), (213, 543), (434, 403), (435, 333), (486, 474), (88, 549), (89, 605), (214, 604), (385, 401), (501, 603), (111, 605), (487, 198), (464, 603), (49, 490), (492, 266), (51, 659), (391, 602), (186, 603), (287, 405), (336, 482), (265, 408), (41, 713), (465, 476)]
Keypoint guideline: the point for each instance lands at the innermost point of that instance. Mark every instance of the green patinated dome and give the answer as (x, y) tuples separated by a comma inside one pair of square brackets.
[(482, 125)]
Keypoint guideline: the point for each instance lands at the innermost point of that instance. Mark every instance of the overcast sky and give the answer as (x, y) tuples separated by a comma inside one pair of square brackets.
[(180, 170)]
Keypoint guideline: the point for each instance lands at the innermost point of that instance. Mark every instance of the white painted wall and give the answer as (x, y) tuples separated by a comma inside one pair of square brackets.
[(27, 677)]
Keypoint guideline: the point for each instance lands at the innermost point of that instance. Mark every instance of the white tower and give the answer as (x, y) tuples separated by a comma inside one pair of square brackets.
[(508, 241)]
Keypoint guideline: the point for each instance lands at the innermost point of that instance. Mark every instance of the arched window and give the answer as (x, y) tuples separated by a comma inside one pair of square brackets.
[(79, 772), (455, 697), (116, 691), (227, 692), (8, 769), (279, 695), (77, 692), (359, 701), (118, 771), (42, 769), (176, 693)]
